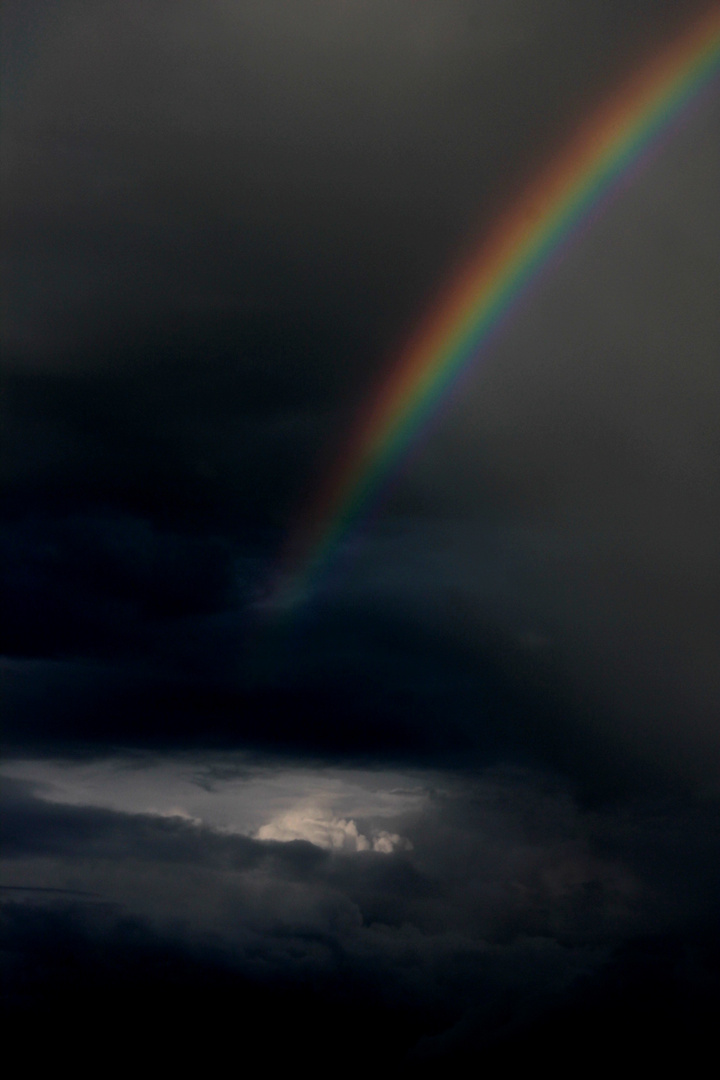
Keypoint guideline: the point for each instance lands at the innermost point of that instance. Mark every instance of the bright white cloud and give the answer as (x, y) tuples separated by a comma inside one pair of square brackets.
[(322, 828)]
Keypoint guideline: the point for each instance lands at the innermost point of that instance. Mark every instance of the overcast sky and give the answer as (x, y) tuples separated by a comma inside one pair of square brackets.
[(467, 799)]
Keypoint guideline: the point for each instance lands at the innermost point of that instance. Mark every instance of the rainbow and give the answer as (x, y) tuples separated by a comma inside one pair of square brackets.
[(521, 244)]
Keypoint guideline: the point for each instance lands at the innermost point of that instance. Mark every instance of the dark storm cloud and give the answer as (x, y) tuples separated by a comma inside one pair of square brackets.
[(512, 904), (364, 686), (117, 632), (83, 583)]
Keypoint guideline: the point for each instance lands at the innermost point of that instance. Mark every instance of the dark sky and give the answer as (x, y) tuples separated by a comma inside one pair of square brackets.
[(466, 802)]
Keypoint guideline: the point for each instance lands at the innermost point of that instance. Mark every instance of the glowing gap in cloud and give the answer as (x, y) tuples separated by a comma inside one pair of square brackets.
[(322, 828)]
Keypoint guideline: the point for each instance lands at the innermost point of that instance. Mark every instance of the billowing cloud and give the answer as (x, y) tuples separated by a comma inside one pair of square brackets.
[(320, 827)]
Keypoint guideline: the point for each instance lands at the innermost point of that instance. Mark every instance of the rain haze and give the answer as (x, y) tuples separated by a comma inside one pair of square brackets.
[(463, 803)]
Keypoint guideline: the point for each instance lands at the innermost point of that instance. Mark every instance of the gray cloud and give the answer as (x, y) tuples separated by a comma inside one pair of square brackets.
[(510, 896)]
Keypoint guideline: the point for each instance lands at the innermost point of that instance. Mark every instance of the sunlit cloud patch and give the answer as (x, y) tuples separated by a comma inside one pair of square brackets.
[(237, 795)]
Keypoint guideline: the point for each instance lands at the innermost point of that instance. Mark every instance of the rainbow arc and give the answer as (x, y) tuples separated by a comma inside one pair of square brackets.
[(451, 338)]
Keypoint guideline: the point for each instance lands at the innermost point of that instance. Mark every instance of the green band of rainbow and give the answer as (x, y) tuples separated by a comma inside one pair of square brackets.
[(510, 259)]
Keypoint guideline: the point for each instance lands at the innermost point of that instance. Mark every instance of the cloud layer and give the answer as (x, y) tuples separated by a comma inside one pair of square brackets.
[(505, 898)]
